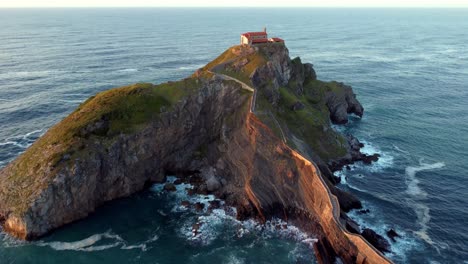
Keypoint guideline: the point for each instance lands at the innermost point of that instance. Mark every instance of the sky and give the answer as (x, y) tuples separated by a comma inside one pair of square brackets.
[(228, 3)]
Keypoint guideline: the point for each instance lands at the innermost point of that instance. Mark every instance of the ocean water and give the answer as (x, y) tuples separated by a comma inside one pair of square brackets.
[(409, 68)]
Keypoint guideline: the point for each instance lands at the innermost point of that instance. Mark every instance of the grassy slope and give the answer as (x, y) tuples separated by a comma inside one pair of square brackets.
[(125, 109), (307, 124), (226, 63)]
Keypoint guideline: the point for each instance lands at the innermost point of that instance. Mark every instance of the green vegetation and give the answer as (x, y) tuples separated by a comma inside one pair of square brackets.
[(310, 124), (239, 62), (226, 56), (106, 115)]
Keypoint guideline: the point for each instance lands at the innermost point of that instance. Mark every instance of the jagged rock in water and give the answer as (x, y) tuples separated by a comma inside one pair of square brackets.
[(376, 240), (170, 187), (342, 104), (391, 233)]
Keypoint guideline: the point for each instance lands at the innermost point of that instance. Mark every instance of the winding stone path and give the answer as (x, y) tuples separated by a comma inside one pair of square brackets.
[(254, 98), (244, 86)]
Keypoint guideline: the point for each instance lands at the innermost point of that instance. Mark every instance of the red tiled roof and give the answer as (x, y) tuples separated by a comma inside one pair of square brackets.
[(277, 39), (260, 40), (248, 34)]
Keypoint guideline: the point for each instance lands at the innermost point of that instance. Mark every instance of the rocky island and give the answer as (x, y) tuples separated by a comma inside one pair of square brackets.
[(253, 126)]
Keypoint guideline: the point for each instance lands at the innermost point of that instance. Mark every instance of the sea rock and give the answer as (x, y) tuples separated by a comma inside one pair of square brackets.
[(196, 228), (177, 182), (392, 234), (352, 226), (364, 211), (347, 200), (376, 240), (199, 206), (214, 204), (342, 104), (368, 159), (170, 187)]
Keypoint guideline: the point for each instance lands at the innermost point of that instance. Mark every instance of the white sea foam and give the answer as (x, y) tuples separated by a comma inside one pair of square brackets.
[(417, 195), (190, 67), (23, 141), (128, 70), (142, 246), (400, 150), (343, 175), (210, 224), (85, 244), (32, 133), (385, 159), (30, 74), (234, 260), (98, 242), (372, 220), (77, 101)]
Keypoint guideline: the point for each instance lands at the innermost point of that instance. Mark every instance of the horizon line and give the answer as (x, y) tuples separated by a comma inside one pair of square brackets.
[(176, 7)]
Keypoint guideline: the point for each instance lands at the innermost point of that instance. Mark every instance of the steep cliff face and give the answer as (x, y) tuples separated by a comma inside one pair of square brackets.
[(120, 140), (42, 192)]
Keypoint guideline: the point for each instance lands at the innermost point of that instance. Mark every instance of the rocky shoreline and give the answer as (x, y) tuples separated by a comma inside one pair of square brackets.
[(277, 161)]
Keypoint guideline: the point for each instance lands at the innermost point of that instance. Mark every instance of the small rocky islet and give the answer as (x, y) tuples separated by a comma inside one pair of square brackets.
[(253, 127)]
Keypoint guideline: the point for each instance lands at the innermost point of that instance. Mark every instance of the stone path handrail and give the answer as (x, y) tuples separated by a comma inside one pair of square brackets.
[(244, 86)]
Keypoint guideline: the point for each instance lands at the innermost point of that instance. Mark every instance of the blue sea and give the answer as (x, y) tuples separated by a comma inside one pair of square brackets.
[(408, 67)]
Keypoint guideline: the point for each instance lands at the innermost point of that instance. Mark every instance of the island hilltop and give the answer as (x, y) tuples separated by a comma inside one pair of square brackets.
[(252, 127)]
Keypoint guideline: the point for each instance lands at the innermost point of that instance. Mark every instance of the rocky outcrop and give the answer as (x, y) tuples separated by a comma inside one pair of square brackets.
[(376, 240), (276, 72), (342, 104), (104, 170), (202, 126), (301, 74), (280, 71), (353, 155)]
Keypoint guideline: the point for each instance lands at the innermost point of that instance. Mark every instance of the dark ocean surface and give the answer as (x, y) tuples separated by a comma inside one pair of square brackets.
[(409, 68)]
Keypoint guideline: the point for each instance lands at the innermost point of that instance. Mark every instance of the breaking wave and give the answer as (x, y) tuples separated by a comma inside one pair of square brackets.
[(403, 244), (385, 159), (23, 141), (211, 223)]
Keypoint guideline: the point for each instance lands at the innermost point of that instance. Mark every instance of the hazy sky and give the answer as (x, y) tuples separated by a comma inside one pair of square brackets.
[(204, 3)]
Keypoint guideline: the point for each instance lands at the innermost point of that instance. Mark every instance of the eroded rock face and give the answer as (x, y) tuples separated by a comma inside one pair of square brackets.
[(342, 104), (275, 73), (280, 71)]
